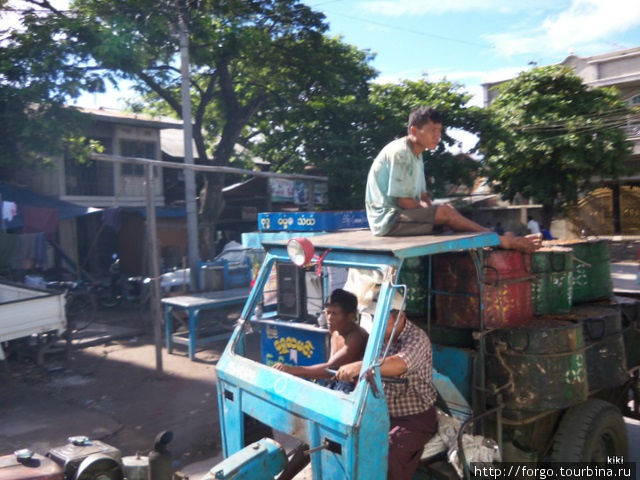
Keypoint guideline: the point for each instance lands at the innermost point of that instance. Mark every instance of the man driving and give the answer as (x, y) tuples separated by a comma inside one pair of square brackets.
[(348, 340), (412, 413)]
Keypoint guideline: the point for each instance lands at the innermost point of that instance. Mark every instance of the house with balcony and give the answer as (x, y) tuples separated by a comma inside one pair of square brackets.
[(117, 189), (614, 208)]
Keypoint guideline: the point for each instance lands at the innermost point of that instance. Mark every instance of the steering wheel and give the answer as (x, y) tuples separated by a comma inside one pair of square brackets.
[(399, 380)]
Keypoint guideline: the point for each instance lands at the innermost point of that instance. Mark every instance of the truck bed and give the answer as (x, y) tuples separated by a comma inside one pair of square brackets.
[(26, 311), (402, 247)]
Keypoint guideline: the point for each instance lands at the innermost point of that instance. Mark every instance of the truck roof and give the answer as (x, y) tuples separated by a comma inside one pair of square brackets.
[(401, 247)]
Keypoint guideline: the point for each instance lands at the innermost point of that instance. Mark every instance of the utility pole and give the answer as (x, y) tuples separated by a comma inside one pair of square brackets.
[(152, 231), (189, 174)]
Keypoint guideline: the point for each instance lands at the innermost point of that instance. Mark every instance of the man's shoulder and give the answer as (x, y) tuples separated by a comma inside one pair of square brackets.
[(415, 334), (399, 146)]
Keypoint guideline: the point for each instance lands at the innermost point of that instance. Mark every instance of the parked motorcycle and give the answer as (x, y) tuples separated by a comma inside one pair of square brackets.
[(80, 304), (118, 289)]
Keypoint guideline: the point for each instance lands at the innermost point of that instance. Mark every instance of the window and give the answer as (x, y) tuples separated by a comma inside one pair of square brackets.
[(138, 149), (90, 177)]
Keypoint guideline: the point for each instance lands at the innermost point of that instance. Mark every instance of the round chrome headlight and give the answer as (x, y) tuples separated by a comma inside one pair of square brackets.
[(300, 251)]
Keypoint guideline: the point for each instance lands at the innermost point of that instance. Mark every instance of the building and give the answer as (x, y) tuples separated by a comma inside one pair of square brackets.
[(119, 189), (614, 208)]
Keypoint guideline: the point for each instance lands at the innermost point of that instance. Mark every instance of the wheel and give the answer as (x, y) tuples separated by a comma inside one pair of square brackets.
[(107, 298), (590, 432), (80, 309)]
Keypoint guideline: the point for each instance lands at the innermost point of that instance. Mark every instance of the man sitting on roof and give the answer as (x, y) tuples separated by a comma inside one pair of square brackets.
[(348, 340), (396, 199)]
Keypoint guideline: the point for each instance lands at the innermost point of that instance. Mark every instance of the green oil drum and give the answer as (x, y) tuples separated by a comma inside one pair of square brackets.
[(416, 300), (629, 309), (552, 287), (591, 270), (604, 343), (538, 367)]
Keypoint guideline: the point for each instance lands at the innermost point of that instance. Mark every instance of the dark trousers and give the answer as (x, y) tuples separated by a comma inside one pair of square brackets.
[(407, 438), (415, 221)]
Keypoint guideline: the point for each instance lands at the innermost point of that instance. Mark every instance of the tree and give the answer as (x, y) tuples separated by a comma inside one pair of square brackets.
[(395, 101), (37, 78), (549, 136), (244, 55), (342, 135)]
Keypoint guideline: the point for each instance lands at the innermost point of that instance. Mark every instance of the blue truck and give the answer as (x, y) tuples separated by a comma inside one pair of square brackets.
[(346, 434)]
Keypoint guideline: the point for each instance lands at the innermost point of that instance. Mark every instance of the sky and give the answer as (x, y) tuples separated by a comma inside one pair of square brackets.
[(469, 42), (475, 41)]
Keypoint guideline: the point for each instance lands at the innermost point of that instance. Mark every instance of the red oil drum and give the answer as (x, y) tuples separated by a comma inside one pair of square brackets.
[(507, 283)]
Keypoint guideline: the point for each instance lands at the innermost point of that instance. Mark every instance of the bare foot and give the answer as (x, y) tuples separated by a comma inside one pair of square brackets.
[(536, 238), (522, 244)]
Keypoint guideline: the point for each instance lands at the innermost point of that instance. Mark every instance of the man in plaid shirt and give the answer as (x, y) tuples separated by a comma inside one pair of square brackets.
[(411, 405)]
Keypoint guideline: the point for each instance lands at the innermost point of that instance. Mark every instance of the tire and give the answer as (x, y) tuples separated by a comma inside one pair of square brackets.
[(80, 309), (107, 299), (590, 432)]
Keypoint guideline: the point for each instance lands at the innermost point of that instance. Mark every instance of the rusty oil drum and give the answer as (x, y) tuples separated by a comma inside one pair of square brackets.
[(553, 280), (507, 290), (591, 269), (538, 367), (414, 275), (604, 343), (629, 309)]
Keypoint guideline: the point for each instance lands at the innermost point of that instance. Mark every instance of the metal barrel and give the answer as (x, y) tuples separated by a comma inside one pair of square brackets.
[(591, 269), (605, 350), (552, 288), (414, 276), (629, 309), (538, 367), (507, 289)]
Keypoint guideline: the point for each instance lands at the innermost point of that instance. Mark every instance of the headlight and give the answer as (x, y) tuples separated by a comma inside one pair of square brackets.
[(300, 251)]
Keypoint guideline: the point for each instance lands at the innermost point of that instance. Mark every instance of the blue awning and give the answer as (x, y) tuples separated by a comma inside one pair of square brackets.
[(24, 197)]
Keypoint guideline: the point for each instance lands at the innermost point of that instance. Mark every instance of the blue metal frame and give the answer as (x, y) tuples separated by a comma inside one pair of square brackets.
[(308, 411), (356, 423)]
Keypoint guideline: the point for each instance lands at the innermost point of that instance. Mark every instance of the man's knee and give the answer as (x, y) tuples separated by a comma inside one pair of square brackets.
[(444, 213)]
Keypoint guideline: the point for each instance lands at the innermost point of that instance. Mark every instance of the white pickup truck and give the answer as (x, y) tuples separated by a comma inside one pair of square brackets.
[(26, 311)]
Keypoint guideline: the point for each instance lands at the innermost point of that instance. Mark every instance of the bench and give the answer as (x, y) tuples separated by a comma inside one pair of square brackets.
[(194, 304)]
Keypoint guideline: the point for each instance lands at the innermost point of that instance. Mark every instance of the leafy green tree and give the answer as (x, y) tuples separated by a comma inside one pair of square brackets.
[(549, 136), (342, 135), (395, 101), (245, 56), (37, 78)]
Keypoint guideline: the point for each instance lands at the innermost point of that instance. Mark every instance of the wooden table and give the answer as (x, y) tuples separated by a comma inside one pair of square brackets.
[(194, 304)]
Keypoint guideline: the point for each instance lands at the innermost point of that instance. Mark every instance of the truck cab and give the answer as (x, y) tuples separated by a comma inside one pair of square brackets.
[(346, 433)]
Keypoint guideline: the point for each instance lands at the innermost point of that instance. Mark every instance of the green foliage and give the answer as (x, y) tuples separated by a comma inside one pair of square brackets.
[(549, 135), (395, 101), (37, 76), (341, 135)]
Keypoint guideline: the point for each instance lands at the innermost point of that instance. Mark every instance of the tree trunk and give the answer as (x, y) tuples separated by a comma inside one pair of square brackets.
[(547, 216)]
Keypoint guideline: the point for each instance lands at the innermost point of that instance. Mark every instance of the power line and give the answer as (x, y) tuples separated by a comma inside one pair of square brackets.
[(410, 30)]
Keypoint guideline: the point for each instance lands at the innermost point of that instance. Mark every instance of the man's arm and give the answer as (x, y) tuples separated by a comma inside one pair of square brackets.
[(407, 203), (351, 351), (393, 366)]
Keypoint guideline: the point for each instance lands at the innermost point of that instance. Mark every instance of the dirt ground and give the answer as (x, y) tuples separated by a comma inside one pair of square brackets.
[(112, 393)]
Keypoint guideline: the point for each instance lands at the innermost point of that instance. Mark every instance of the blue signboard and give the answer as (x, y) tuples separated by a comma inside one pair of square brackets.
[(311, 221), (293, 343)]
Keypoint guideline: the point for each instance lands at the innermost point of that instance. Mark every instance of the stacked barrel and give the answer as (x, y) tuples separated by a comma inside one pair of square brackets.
[(553, 331)]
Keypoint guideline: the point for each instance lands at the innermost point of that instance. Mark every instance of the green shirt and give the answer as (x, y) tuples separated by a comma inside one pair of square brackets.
[(396, 172)]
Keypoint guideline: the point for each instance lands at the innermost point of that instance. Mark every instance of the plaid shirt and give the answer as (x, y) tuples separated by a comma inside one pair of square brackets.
[(416, 396)]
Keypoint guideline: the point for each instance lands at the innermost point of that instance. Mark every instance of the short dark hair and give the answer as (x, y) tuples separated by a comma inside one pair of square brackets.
[(347, 300), (422, 115)]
